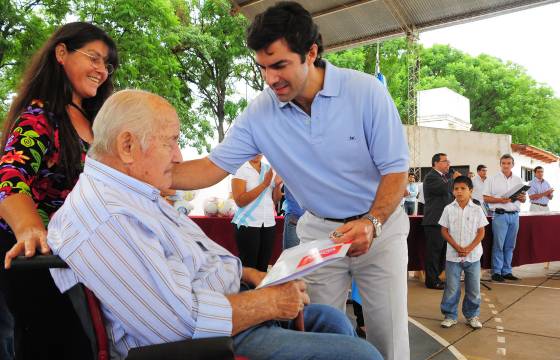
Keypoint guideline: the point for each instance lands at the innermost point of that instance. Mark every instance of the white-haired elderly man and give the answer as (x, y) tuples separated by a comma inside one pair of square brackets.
[(158, 276)]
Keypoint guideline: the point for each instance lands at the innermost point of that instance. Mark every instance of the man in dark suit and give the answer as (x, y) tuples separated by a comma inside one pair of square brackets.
[(437, 194)]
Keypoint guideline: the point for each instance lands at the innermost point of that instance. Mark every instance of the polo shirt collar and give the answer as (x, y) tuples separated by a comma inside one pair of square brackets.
[(331, 84), (113, 177)]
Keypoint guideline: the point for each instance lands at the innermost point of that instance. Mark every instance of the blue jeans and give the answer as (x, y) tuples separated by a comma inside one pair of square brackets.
[(290, 238), (328, 335), (504, 229), (6, 331), (452, 292)]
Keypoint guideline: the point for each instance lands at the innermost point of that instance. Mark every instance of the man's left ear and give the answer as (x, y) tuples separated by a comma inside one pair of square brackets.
[(312, 54)]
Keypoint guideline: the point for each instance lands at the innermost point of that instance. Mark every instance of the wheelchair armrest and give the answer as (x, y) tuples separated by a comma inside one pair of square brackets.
[(197, 349), (38, 262)]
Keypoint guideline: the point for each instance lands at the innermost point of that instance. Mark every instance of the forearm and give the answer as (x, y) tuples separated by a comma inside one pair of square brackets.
[(248, 197), (493, 200), (536, 196), (389, 195), (449, 239), (20, 212), (250, 308), (196, 174), (477, 239), (277, 193)]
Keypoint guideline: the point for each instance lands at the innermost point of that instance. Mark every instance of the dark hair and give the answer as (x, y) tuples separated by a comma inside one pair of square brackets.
[(538, 168), (463, 180), (290, 21), (480, 167), (46, 80), (507, 156), (437, 157)]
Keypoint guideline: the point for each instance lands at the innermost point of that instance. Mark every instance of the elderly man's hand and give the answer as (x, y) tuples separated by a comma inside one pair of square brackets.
[(28, 241), (288, 299), (359, 233)]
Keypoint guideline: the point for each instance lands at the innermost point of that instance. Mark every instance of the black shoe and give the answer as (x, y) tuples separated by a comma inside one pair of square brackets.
[(437, 286), (497, 277), (510, 277)]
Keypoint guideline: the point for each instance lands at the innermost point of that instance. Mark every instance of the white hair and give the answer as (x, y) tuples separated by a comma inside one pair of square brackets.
[(131, 110)]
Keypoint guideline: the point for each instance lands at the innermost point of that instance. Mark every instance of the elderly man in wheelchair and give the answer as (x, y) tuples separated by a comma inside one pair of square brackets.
[(158, 277)]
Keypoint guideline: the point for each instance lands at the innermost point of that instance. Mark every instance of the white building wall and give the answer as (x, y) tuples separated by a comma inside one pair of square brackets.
[(443, 108), (551, 174), (463, 148)]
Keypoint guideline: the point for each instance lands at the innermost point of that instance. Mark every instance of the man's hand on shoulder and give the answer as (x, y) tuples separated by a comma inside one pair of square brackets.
[(360, 233)]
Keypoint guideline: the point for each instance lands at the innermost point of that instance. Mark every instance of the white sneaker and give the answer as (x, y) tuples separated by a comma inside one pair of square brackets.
[(447, 323), (474, 322)]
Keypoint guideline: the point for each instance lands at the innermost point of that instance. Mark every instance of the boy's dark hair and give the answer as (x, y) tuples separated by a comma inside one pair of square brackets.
[(538, 168), (290, 21), (480, 167), (437, 157), (463, 180)]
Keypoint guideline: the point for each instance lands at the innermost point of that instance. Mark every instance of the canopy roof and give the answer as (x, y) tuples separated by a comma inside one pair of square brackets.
[(347, 23)]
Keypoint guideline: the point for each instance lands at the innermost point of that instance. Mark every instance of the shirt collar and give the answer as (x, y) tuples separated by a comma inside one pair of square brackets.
[(470, 203), (331, 84), (113, 177)]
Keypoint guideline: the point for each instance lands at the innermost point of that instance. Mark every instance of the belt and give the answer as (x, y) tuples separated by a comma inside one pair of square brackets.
[(538, 204), (502, 211), (345, 220)]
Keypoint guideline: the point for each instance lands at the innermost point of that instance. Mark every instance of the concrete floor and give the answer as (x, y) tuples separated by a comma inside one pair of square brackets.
[(521, 319)]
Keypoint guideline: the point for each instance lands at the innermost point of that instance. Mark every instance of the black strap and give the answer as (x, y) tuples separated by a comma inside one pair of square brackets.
[(79, 109)]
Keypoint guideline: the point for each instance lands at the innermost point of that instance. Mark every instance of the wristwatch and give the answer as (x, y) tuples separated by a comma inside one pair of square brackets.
[(375, 222)]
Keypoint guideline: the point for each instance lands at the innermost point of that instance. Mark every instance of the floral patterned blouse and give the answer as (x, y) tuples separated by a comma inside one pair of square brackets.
[(30, 163)]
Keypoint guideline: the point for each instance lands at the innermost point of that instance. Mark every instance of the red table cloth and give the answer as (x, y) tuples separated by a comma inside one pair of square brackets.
[(538, 239)]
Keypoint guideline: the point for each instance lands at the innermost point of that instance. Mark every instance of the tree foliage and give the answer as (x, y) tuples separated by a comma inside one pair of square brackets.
[(190, 52), (503, 97)]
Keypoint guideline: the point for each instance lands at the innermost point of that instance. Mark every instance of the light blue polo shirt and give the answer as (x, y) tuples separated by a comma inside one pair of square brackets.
[(333, 160)]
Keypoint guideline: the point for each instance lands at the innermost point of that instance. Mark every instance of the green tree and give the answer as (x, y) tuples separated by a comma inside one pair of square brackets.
[(24, 26), (213, 58), (503, 97)]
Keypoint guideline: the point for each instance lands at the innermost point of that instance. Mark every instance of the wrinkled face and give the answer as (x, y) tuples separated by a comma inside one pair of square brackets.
[(506, 165), (539, 174), (461, 192), (442, 165), (154, 165), (283, 70), (482, 172), (80, 70)]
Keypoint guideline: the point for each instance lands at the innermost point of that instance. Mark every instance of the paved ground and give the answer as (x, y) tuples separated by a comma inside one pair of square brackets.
[(521, 320)]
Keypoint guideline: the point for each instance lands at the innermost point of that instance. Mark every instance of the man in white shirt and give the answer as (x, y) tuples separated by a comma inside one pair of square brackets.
[(540, 192), (506, 218)]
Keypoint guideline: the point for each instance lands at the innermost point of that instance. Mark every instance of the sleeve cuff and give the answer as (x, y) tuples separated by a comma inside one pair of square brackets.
[(224, 166), (397, 168), (214, 315)]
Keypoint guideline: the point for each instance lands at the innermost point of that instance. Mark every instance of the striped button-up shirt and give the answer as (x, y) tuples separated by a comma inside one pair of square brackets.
[(158, 276), (538, 187)]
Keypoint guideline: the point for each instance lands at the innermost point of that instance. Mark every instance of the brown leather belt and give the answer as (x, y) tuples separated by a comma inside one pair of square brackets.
[(539, 204)]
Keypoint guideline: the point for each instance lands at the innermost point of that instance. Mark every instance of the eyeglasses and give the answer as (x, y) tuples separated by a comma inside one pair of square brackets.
[(445, 161), (98, 62)]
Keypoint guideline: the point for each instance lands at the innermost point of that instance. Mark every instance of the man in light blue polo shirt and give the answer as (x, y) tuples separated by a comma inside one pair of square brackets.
[(335, 137), (540, 192)]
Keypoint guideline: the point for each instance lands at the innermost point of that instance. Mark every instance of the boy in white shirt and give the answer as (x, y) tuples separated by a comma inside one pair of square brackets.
[(462, 226)]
